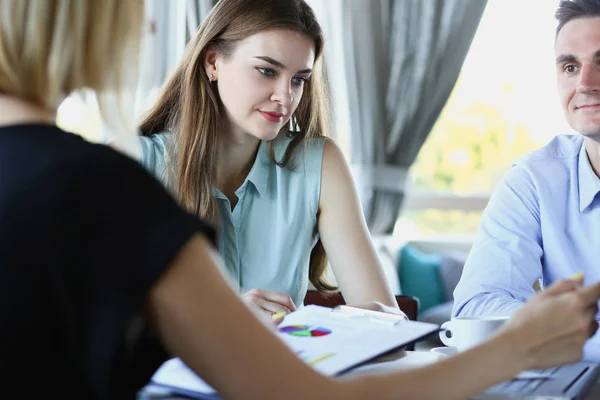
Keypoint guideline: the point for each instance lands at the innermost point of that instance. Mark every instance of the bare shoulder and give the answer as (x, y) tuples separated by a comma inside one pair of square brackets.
[(337, 185), (333, 157)]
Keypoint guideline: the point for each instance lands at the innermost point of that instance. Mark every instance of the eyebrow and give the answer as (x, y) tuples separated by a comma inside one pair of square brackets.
[(567, 58), (280, 65)]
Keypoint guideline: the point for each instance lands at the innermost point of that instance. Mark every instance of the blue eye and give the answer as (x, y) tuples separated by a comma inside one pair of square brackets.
[(266, 71), (299, 81)]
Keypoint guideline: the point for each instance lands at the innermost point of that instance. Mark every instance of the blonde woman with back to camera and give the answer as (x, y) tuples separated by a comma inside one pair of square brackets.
[(91, 245)]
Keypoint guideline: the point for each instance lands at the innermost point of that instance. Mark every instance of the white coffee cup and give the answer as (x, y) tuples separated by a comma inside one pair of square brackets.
[(466, 332)]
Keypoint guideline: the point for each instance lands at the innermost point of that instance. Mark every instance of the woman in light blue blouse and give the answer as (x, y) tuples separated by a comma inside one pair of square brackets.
[(238, 134)]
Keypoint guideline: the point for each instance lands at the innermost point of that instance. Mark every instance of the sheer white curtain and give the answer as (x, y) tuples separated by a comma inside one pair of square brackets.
[(197, 10), (163, 46), (169, 25), (393, 64)]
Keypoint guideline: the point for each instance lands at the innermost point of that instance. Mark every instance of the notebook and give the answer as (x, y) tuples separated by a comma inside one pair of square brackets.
[(333, 341)]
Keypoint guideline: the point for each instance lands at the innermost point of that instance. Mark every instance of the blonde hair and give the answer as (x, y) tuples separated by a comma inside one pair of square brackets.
[(51, 48), (188, 103)]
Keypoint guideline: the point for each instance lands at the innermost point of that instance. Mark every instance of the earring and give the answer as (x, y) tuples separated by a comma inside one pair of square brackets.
[(210, 78)]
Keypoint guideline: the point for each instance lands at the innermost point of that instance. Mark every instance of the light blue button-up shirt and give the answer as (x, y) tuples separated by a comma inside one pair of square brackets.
[(542, 222), (267, 239)]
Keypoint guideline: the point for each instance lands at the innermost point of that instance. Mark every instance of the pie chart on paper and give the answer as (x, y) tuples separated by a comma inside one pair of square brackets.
[(305, 331)]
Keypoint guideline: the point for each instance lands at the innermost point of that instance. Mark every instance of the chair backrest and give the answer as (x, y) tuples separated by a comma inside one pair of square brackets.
[(408, 304)]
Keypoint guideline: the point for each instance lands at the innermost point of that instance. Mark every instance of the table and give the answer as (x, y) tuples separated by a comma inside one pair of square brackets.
[(395, 361), (413, 359)]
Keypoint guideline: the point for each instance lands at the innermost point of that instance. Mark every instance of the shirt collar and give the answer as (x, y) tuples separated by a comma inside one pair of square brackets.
[(260, 171), (589, 184)]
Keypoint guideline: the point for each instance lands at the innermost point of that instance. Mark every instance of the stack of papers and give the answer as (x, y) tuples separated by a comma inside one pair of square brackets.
[(333, 341)]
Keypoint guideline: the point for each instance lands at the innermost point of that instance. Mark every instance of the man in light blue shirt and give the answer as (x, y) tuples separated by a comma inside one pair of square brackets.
[(543, 219)]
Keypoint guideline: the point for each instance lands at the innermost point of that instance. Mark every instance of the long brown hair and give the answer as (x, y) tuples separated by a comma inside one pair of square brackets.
[(188, 104)]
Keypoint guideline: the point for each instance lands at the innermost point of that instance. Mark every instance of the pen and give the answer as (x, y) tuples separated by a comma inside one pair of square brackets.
[(578, 277)]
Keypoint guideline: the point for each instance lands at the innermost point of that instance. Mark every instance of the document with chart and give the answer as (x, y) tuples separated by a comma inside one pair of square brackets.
[(332, 341)]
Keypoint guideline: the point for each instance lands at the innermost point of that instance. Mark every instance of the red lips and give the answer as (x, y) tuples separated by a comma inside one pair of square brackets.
[(271, 116)]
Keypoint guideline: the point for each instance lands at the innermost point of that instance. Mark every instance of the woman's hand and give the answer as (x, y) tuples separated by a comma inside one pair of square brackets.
[(553, 326), (268, 302)]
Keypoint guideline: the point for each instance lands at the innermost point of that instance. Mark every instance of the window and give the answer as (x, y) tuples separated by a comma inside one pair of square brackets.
[(503, 106)]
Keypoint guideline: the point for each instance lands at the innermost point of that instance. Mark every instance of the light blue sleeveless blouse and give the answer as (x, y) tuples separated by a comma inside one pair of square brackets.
[(267, 239)]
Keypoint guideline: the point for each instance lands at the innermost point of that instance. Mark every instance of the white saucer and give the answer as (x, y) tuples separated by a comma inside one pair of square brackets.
[(447, 351), (406, 360)]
